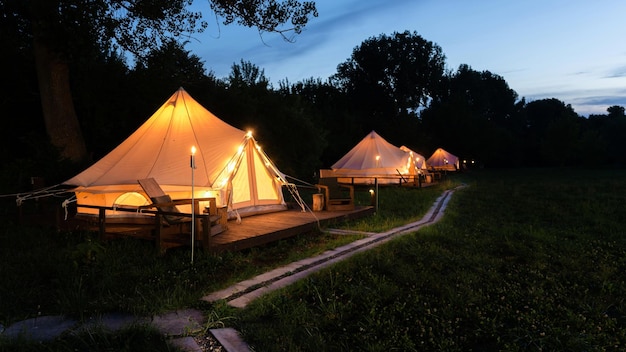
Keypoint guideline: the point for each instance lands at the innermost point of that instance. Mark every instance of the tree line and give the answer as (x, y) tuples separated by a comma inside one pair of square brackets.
[(396, 84)]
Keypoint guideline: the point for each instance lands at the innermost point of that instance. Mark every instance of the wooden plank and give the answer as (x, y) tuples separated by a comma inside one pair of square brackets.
[(262, 229), (252, 231), (151, 187), (244, 242)]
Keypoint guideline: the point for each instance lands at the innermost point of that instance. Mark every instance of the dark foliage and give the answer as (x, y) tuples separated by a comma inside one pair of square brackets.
[(394, 84)]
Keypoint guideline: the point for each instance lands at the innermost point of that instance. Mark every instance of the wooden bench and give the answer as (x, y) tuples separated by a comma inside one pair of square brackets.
[(336, 195), (208, 222)]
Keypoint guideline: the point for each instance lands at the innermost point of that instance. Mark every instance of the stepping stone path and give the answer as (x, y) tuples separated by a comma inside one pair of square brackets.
[(180, 323)]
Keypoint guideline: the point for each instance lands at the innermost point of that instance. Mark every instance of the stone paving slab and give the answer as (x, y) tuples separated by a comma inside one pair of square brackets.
[(180, 322), (239, 295), (187, 344), (45, 328), (230, 340), (183, 322), (109, 322), (48, 328), (349, 232)]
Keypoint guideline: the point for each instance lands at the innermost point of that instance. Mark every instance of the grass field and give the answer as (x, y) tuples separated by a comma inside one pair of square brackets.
[(522, 260)]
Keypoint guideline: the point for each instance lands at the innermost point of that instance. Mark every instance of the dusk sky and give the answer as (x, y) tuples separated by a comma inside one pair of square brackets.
[(573, 51)]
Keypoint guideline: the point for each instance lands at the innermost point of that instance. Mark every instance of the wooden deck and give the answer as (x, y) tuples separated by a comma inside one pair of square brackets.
[(252, 231), (261, 229)]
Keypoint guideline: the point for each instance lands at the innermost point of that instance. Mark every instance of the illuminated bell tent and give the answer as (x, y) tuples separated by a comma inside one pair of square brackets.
[(443, 160), (374, 159), (420, 160), (229, 164)]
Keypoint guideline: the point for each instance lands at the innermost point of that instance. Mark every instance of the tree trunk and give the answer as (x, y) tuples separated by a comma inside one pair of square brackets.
[(56, 102)]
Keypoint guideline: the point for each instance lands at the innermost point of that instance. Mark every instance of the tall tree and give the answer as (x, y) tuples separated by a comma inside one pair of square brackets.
[(613, 132), (164, 70), (553, 130), (602, 139), (389, 78), (60, 28), (284, 124), (476, 115), (336, 117), (247, 74), (616, 111)]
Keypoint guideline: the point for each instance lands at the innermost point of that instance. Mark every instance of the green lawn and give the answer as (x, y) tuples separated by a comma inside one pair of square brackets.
[(522, 260), (44, 272)]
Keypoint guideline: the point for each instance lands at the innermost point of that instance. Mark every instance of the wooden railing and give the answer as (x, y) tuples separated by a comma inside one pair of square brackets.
[(207, 223)]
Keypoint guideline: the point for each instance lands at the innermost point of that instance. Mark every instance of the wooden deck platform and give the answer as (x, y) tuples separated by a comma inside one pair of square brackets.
[(252, 231), (265, 228)]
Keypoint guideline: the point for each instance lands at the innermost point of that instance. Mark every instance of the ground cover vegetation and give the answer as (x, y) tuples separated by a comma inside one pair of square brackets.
[(46, 272), (106, 88), (522, 260)]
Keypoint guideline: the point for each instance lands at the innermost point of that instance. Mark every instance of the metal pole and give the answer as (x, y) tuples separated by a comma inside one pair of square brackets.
[(193, 203), (376, 182)]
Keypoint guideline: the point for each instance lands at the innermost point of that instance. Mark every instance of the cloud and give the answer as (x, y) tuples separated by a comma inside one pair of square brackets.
[(326, 41), (603, 100), (549, 59), (585, 101), (617, 72)]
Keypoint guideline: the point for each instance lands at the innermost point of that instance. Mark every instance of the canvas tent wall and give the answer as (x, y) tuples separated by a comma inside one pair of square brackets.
[(420, 160), (230, 165), (373, 159), (443, 160)]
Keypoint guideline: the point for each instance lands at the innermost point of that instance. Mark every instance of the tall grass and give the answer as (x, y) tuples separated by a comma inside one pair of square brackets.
[(522, 260), (401, 205), (45, 272), (130, 339)]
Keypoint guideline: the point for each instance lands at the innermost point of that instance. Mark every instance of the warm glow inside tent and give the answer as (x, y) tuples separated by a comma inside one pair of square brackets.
[(373, 158), (230, 165), (443, 160), (420, 160)]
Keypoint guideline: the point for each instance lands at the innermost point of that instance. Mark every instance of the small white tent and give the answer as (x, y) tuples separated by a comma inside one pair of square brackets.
[(443, 160), (373, 158), (230, 165)]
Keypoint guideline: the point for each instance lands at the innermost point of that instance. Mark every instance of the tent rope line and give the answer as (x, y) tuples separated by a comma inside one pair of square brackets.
[(292, 187), (66, 202), (304, 182), (249, 182), (40, 193), (46, 192), (230, 162)]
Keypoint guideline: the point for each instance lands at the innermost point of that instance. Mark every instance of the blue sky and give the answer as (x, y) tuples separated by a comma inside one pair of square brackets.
[(570, 50)]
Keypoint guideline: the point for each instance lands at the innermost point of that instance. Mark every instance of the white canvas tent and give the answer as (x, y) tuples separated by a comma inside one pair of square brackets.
[(374, 158), (230, 165), (443, 160), (420, 160)]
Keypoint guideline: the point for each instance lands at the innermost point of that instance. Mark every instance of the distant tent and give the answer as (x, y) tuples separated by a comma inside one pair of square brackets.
[(443, 160), (230, 165), (374, 158)]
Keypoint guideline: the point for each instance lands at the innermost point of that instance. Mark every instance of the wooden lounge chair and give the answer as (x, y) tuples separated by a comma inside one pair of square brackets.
[(171, 224), (431, 175), (336, 195)]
